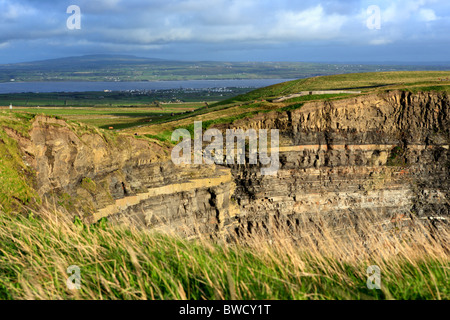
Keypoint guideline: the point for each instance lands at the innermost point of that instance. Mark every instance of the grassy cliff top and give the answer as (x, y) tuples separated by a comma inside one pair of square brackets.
[(261, 100), (364, 82), (157, 124)]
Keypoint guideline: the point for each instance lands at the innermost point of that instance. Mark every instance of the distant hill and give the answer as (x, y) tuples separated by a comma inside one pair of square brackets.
[(93, 60), (106, 67)]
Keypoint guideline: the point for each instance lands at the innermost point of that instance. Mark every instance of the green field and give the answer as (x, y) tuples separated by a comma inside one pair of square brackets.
[(131, 68), (259, 101), (117, 98), (146, 115), (117, 109), (116, 117)]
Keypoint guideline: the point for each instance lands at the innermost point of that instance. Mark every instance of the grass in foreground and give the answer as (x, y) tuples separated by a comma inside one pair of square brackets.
[(118, 263)]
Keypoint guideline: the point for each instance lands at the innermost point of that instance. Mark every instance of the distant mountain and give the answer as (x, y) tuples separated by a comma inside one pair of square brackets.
[(97, 67), (107, 67), (93, 60)]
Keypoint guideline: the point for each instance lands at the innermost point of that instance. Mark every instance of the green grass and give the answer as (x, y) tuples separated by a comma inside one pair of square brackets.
[(114, 99), (118, 263), (364, 82), (111, 112), (291, 107), (444, 88), (163, 136), (118, 118), (231, 119), (16, 179), (316, 97)]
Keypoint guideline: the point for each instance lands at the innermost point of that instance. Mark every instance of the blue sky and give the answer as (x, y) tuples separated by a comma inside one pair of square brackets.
[(229, 30)]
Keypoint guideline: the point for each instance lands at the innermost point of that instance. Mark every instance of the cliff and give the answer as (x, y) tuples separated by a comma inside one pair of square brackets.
[(387, 154), (126, 179)]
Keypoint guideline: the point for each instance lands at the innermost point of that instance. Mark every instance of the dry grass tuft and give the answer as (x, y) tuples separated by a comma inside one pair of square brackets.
[(316, 261)]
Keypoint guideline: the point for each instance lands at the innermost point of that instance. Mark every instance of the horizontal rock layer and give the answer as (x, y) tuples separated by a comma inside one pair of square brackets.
[(386, 154)]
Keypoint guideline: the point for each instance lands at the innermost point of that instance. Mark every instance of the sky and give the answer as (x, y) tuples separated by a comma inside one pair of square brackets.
[(228, 30)]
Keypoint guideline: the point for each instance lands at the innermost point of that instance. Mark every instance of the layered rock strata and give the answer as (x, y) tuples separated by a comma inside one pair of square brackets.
[(386, 154)]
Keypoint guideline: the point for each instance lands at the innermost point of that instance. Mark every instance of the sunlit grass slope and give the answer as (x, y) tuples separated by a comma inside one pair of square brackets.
[(365, 82)]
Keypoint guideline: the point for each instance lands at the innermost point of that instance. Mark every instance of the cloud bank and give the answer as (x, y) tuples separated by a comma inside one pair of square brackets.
[(331, 30)]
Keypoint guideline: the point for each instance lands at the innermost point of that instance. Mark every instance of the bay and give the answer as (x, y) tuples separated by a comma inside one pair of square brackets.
[(82, 86)]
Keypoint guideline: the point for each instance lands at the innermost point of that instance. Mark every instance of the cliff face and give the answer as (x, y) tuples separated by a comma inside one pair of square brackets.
[(386, 154), (126, 179)]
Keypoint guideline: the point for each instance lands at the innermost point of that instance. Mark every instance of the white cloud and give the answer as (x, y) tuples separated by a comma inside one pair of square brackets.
[(406, 10), (380, 41), (14, 11), (100, 6), (224, 24), (312, 23), (427, 15)]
